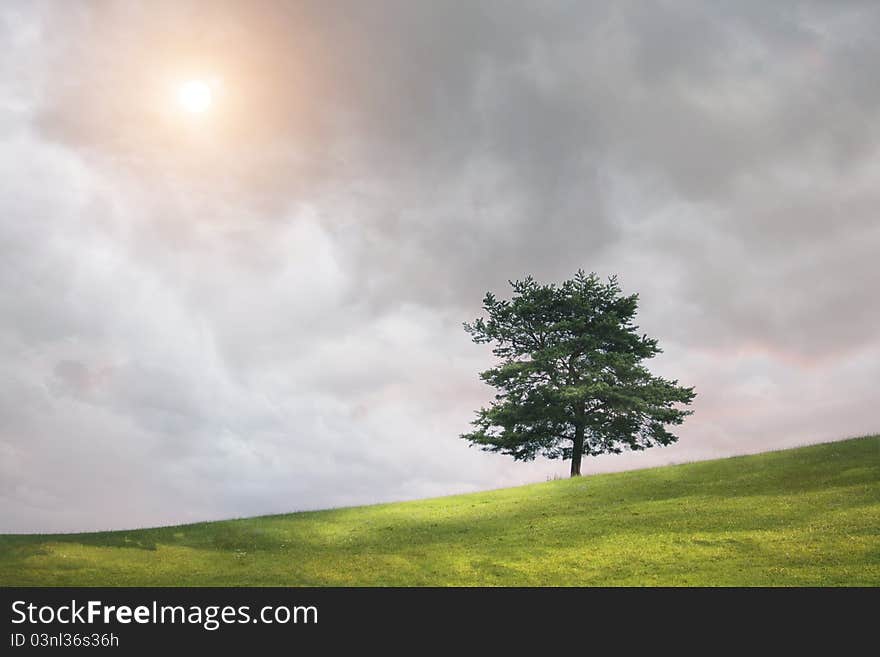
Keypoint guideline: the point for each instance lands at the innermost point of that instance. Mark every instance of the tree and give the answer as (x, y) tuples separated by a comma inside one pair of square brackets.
[(571, 380)]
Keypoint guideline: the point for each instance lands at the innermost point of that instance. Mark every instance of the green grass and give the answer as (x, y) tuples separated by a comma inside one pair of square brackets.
[(807, 516)]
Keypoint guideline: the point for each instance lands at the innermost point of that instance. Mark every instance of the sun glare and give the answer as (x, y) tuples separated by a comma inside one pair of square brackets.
[(196, 96)]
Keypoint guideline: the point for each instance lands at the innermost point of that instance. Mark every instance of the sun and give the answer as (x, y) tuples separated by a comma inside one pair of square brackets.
[(196, 96)]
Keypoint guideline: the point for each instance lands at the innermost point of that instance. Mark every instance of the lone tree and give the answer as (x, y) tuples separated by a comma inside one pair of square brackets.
[(571, 380)]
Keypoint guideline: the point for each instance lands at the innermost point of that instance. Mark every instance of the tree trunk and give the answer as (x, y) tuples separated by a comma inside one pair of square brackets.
[(577, 450)]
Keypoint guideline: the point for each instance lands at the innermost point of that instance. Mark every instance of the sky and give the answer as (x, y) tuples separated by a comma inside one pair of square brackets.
[(258, 308)]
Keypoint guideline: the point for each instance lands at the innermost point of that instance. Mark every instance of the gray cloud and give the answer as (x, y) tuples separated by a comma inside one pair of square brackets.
[(262, 311)]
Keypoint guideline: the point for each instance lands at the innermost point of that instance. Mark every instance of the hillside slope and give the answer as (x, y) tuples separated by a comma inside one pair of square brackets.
[(807, 516)]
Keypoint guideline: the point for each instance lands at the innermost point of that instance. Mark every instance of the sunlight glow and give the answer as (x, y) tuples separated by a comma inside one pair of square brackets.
[(196, 96)]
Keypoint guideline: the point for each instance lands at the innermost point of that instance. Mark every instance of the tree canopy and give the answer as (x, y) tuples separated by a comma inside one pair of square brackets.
[(571, 380)]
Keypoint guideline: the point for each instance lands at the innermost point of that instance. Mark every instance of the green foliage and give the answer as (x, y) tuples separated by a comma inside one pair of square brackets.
[(571, 379), (802, 517)]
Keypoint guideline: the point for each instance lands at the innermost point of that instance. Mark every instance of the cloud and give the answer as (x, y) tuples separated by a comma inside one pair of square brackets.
[(261, 311)]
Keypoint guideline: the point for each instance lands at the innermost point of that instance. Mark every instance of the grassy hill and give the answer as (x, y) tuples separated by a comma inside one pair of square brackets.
[(807, 516)]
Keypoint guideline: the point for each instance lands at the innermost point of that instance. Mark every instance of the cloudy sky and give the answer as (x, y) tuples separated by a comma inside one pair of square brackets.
[(257, 308)]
